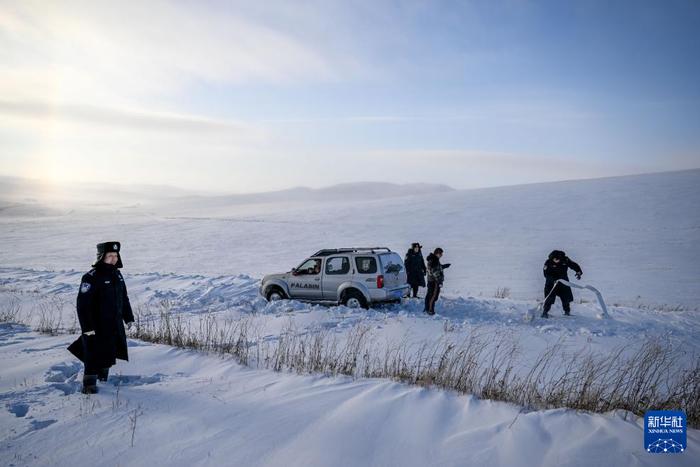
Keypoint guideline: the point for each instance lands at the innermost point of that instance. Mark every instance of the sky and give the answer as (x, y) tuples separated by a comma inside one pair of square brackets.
[(237, 97)]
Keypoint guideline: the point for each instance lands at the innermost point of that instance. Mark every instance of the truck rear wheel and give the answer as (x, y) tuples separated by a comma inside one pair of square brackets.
[(354, 299)]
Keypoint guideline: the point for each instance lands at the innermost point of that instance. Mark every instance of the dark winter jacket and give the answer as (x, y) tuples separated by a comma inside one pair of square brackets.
[(415, 268), (435, 269), (553, 272), (103, 307)]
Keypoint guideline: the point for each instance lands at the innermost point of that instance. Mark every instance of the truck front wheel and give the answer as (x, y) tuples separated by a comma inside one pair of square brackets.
[(274, 294)]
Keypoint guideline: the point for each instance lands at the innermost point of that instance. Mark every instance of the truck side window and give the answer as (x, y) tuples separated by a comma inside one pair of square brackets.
[(309, 267), (366, 264), (392, 263), (338, 265)]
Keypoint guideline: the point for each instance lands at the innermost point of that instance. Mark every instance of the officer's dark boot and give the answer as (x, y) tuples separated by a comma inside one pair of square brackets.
[(89, 384), (545, 312), (567, 309), (103, 374)]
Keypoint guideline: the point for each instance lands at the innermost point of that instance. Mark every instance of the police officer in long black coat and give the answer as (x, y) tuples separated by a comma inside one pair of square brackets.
[(556, 268), (103, 308), (415, 268)]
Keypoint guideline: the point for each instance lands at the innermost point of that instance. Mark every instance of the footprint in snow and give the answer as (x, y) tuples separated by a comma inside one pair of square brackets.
[(36, 425), (41, 424), (135, 343), (135, 380), (64, 377), (18, 409), (44, 349), (62, 372)]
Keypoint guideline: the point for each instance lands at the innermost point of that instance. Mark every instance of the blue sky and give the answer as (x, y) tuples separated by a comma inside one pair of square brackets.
[(252, 96)]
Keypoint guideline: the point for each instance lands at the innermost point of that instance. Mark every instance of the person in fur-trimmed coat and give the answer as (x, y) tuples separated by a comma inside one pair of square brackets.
[(103, 308), (415, 268)]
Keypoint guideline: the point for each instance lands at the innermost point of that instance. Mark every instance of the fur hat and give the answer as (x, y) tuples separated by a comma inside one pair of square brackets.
[(108, 247), (558, 254), (416, 244)]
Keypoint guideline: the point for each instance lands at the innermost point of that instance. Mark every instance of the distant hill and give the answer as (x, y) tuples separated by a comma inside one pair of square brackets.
[(340, 192), (29, 197)]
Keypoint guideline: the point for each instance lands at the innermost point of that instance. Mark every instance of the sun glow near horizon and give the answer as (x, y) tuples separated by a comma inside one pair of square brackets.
[(241, 97)]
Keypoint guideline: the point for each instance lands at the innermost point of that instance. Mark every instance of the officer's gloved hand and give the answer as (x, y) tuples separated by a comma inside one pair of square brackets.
[(578, 275), (446, 265)]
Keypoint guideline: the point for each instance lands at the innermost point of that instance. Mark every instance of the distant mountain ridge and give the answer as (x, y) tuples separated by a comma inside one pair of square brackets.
[(24, 196), (359, 190)]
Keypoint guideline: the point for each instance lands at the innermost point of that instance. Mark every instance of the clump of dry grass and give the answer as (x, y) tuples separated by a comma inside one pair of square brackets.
[(50, 314), (502, 292), (9, 313)]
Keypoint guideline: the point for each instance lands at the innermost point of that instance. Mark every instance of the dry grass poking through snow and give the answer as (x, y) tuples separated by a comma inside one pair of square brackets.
[(483, 364)]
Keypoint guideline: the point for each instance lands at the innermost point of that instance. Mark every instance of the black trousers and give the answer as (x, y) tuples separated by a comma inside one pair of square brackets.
[(414, 288), (564, 294), (90, 355), (91, 371), (431, 296), (94, 368), (91, 368)]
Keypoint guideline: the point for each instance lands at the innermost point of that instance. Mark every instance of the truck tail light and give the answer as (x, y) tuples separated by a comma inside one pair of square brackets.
[(380, 282)]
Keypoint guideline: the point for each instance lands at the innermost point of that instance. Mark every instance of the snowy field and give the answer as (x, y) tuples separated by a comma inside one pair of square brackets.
[(201, 257), (635, 237), (185, 408)]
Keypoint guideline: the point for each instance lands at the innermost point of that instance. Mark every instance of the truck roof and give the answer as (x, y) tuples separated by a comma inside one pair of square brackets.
[(333, 251)]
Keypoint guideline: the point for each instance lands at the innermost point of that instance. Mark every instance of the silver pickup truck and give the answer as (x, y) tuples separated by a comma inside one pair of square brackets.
[(355, 277)]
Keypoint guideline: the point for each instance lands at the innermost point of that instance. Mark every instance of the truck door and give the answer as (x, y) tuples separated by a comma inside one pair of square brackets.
[(305, 282), (336, 272)]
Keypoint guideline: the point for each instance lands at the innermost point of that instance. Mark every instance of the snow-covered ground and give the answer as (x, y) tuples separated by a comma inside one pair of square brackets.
[(187, 408), (50, 297), (636, 238)]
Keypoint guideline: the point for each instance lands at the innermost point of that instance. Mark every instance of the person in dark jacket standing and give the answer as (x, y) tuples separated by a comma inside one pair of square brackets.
[(415, 268), (556, 268), (435, 279), (103, 308)]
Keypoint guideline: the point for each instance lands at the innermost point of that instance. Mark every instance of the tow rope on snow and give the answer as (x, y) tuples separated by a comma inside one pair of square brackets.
[(530, 315)]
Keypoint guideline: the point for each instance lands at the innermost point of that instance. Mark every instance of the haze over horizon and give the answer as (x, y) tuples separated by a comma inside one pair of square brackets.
[(238, 97), (48, 186)]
